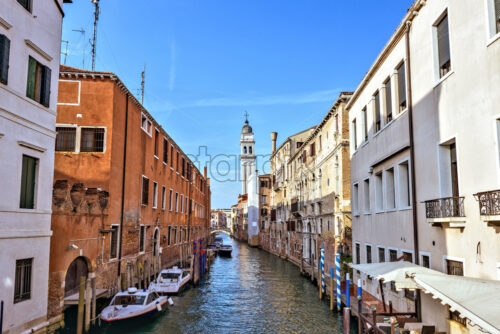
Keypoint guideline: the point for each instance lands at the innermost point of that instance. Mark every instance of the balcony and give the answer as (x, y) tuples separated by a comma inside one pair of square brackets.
[(445, 211), (489, 207)]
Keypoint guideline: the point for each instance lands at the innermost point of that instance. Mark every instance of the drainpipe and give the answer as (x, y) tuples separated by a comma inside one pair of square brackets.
[(418, 306), (123, 185)]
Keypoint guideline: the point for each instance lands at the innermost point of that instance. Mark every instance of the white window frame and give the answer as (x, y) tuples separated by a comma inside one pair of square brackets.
[(355, 199), (155, 194), (117, 241), (366, 195), (435, 44), (366, 253), (399, 191), (389, 253), (176, 202), (491, 34), (79, 138), (182, 203), (386, 180), (422, 254), (149, 125), (385, 255), (360, 252), (407, 251), (171, 200), (379, 209), (453, 258), (163, 197), (142, 189), (79, 92)]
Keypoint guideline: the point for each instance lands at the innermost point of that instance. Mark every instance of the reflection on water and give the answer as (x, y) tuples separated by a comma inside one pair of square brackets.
[(252, 292)]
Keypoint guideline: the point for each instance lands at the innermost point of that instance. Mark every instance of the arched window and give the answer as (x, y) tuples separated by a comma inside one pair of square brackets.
[(244, 150), (250, 149)]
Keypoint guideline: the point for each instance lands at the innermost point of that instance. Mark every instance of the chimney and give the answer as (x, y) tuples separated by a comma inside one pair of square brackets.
[(274, 136)]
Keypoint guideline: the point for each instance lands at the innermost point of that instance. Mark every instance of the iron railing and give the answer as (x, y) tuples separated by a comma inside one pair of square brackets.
[(445, 207), (489, 203)]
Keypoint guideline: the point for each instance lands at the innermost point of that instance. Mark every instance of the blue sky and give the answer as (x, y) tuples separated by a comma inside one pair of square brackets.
[(207, 61)]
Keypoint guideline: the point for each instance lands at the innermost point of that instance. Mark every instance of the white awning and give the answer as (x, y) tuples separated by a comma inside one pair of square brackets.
[(475, 299), (399, 272)]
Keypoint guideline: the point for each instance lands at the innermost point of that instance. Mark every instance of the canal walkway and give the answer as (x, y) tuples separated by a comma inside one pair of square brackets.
[(252, 292)]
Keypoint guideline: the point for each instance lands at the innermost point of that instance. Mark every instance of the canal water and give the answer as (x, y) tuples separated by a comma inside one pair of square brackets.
[(252, 292)]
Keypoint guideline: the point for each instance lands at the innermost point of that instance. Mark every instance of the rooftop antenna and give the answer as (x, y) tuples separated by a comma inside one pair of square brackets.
[(246, 116), (94, 39), (65, 53), (143, 80), (82, 31)]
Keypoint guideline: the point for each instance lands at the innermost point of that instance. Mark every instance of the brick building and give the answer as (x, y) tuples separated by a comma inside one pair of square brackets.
[(127, 201), (264, 210)]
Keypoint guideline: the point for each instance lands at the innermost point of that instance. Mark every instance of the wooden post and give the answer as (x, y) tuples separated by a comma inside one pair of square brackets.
[(81, 297), (374, 318), (382, 293), (332, 298), (88, 294), (360, 311), (347, 320), (94, 299)]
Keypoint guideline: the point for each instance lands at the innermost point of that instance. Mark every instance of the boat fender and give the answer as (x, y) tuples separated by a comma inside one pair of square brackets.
[(158, 306), (170, 301)]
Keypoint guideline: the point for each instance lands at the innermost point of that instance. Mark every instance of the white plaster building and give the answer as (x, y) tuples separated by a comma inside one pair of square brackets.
[(440, 69), (30, 39)]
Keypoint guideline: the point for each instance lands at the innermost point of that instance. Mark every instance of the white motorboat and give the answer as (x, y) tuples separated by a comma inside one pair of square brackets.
[(225, 250), (134, 304), (170, 281)]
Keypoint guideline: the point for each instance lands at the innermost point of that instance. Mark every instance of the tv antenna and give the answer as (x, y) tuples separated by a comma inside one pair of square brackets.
[(65, 53), (143, 81), (81, 31), (94, 39)]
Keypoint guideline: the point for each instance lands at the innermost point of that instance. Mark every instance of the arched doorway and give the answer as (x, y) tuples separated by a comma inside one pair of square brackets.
[(78, 268)]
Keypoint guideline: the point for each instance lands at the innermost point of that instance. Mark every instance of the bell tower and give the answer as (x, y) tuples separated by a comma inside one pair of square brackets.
[(247, 157)]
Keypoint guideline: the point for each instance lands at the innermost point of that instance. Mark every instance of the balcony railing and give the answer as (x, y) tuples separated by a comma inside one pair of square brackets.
[(489, 203), (445, 207)]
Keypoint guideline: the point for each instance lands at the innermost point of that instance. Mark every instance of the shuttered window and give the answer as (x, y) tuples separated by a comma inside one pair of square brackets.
[(157, 142), (38, 85), (28, 178), (497, 15), (402, 86), (145, 190), (114, 242), (26, 4), (354, 134), (443, 40), (365, 124), (388, 100), (378, 124), (165, 151), (4, 59), (368, 254), (22, 288), (65, 139), (142, 238)]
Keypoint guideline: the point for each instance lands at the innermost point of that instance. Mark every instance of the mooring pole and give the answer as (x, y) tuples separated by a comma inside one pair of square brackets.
[(1, 316), (337, 265), (88, 294), (94, 299), (347, 320), (81, 297), (347, 291), (332, 298)]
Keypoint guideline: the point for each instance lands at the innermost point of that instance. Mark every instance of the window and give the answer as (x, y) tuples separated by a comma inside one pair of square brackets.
[(366, 196), (376, 111), (354, 134), (169, 233), (172, 156), (408, 257), (388, 100), (92, 140), (165, 151), (443, 46), (381, 254), (22, 288), (389, 189), (175, 235), (183, 167), (146, 124), (358, 254), (250, 150), (426, 261), (454, 268), (365, 124), (177, 162), (171, 200), (28, 182), (355, 199), (401, 86), (312, 149), (182, 203), (336, 123), (379, 193), (263, 199), (404, 185), (38, 87), (26, 4), (113, 247), (142, 238), (65, 139), (494, 13), (145, 190), (155, 195), (4, 59), (186, 207), (368, 254), (393, 255), (176, 202), (157, 142), (163, 197)]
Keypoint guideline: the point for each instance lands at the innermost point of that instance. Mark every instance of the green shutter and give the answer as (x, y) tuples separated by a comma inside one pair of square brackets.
[(28, 182), (30, 90), (4, 58), (45, 94)]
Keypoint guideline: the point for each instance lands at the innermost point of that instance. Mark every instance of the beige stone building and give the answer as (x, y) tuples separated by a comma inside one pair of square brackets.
[(424, 152)]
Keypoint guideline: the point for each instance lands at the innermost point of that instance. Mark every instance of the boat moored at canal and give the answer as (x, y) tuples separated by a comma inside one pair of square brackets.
[(134, 305), (170, 281), (225, 250)]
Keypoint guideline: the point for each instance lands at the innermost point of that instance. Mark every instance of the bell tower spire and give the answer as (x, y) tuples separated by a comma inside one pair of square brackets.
[(247, 158)]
